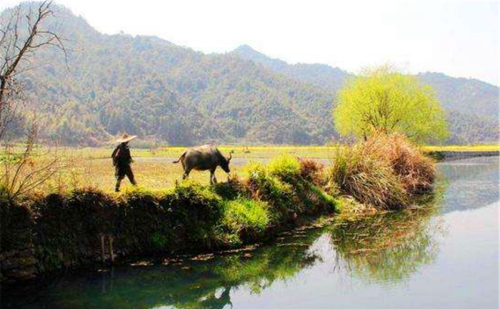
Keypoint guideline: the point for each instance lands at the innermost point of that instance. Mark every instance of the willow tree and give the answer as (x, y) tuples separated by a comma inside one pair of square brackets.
[(385, 100)]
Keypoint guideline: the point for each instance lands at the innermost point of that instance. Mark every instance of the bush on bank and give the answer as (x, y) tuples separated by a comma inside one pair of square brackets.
[(384, 172)]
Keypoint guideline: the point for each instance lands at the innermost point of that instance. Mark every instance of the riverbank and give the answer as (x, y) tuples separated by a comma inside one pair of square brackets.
[(57, 231), (451, 155), (45, 233)]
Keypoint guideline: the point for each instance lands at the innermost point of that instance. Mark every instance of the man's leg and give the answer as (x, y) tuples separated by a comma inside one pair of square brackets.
[(119, 178), (130, 176)]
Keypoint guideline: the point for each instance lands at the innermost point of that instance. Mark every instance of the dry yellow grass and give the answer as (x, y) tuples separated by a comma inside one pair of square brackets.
[(150, 173), (463, 148)]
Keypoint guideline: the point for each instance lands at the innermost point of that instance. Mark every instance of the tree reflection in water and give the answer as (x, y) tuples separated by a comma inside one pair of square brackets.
[(388, 247)]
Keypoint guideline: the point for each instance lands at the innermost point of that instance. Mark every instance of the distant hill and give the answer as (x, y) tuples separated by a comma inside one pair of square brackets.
[(464, 95), (148, 86), (320, 75), (458, 94)]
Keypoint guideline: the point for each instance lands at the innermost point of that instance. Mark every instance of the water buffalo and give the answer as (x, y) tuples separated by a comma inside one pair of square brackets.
[(204, 158)]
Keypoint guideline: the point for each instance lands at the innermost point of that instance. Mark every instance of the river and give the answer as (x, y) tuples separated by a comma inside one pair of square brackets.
[(444, 256)]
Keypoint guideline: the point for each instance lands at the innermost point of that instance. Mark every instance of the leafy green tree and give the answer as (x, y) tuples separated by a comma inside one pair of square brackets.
[(385, 100)]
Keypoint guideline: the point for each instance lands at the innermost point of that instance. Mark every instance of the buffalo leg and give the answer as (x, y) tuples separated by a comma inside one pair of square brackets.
[(212, 177), (186, 173)]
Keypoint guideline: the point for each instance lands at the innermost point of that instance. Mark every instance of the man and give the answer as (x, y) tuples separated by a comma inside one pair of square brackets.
[(122, 160)]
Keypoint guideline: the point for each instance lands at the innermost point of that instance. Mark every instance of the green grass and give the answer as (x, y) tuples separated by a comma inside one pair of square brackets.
[(184, 218), (247, 215), (166, 215)]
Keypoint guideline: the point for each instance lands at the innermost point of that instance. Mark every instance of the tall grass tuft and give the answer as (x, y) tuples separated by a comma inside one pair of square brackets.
[(285, 167), (312, 171), (385, 171), (362, 175), (263, 186), (415, 171)]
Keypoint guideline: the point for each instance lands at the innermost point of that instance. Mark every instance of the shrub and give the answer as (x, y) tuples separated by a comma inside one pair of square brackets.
[(415, 171), (288, 193), (322, 199), (230, 190), (312, 171), (140, 220), (263, 186), (245, 217), (285, 168), (68, 226), (195, 211), (15, 226), (193, 203), (367, 178)]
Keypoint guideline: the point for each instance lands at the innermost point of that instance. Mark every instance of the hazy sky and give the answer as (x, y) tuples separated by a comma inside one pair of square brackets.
[(457, 38)]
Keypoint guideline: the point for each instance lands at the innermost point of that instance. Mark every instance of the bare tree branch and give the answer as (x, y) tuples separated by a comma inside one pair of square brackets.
[(21, 37), (16, 48)]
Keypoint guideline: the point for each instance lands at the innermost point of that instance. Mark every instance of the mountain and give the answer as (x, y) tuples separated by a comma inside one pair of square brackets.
[(166, 93), (458, 94), (464, 95), (153, 88), (320, 75)]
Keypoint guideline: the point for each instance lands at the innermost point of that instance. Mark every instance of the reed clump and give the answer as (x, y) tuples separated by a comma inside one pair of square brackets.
[(312, 171), (416, 171), (384, 172)]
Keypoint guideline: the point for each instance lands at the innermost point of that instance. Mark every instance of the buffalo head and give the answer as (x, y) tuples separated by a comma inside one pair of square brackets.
[(225, 163)]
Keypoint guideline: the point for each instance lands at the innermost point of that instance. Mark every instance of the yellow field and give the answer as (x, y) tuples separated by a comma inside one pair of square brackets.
[(463, 148), (153, 168), (324, 152), (247, 152)]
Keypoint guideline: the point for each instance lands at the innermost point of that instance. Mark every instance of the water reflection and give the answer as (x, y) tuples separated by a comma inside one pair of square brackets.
[(379, 248), (189, 283), (469, 184), (386, 248)]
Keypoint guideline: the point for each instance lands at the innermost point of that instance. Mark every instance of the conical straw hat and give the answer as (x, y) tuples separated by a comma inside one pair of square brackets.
[(125, 138)]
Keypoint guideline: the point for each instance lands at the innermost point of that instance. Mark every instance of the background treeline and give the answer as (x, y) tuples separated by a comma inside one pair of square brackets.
[(164, 93)]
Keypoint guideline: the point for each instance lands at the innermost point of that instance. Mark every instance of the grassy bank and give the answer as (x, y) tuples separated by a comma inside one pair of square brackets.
[(54, 231), (45, 232)]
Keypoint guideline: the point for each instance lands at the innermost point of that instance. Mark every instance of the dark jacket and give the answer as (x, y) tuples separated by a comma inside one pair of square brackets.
[(121, 156)]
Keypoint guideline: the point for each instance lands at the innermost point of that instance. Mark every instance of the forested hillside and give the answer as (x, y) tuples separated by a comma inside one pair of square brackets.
[(459, 94), (170, 94), (320, 75)]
